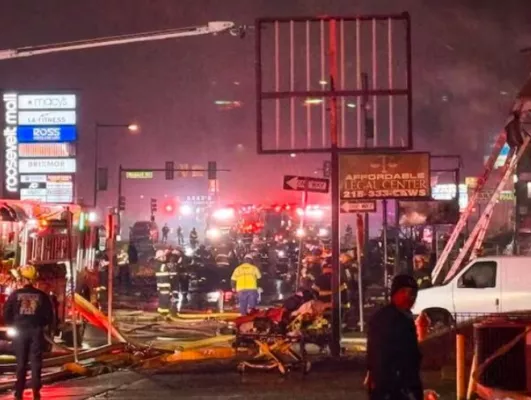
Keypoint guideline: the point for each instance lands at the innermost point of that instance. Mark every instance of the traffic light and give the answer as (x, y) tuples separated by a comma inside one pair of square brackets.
[(121, 203), (327, 169), (212, 170), (153, 206), (170, 166)]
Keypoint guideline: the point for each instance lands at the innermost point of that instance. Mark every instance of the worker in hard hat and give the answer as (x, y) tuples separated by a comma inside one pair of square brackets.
[(28, 311), (245, 282)]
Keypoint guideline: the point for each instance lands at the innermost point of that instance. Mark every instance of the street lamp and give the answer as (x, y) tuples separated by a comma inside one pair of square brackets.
[(130, 127)]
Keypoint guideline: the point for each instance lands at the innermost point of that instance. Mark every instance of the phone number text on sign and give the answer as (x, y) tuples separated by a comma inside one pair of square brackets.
[(385, 176)]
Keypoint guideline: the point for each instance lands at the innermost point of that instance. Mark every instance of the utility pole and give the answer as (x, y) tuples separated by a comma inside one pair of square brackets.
[(336, 275), (369, 129)]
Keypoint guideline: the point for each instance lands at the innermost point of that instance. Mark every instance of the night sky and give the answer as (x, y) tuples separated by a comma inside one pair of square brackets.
[(467, 69)]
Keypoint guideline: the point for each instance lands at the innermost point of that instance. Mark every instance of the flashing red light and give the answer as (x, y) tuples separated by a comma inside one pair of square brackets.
[(278, 208), (288, 207), (170, 207)]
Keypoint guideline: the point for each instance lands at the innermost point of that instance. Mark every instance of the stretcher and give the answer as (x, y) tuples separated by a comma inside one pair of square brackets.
[(274, 338)]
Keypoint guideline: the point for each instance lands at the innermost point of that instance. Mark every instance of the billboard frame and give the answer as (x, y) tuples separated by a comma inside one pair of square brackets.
[(331, 94)]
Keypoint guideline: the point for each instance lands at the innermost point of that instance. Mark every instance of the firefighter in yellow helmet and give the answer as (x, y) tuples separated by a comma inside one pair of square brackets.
[(28, 311)]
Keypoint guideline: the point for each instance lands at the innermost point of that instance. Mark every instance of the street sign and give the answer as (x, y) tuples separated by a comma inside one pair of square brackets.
[(139, 175), (358, 206), (302, 183)]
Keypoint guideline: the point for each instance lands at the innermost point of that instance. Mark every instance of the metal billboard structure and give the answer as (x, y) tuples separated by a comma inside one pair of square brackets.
[(334, 84), (303, 63)]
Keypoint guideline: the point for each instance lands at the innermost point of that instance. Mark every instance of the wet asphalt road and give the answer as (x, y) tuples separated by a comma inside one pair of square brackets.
[(226, 385)]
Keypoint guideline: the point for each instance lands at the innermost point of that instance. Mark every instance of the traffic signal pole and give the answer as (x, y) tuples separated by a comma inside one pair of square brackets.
[(122, 170)]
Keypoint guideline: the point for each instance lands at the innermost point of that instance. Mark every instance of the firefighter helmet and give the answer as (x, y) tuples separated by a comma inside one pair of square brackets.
[(160, 255), (28, 272)]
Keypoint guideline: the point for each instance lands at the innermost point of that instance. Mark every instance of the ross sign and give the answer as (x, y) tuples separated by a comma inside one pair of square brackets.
[(302, 183), (139, 175), (353, 206), (47, 165), (47, 188), (384, 176), (10, 145), (46, 101), (40, 150), (47, 118), (30, 134)]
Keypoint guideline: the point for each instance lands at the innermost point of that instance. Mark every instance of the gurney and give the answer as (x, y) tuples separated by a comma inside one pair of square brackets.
[(275, 333)]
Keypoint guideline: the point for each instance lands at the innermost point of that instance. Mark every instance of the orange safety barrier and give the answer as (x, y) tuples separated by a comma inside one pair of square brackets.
[(422, 323)]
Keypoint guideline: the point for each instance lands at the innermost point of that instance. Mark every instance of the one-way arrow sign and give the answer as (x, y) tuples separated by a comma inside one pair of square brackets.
[(303, 183), (358, 206)]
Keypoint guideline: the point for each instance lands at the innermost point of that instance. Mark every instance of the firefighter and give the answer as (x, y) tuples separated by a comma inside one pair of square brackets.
[(393, 355), (163, 282), (165, 232), (180, 236), (103, 279), (123, 269), (245, 282), (421, 273), (28, 310), (194, 238)]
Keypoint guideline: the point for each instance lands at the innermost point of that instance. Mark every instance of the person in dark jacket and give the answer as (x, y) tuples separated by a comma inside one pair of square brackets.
[(421, 272), (393, 355), (28, 311)]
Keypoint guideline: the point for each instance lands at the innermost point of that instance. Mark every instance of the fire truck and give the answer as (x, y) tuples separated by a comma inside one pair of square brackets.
[(36, 233)]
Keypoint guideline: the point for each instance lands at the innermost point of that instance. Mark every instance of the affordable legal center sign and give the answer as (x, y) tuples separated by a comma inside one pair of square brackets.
[(36, 118), (384, 176)]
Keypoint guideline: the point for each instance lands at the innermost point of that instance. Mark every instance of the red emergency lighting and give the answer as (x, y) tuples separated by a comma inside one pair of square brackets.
[(169, 207)]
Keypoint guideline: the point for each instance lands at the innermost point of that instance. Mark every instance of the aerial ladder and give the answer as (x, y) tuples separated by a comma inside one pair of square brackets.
[(515, 127), (213, 27)]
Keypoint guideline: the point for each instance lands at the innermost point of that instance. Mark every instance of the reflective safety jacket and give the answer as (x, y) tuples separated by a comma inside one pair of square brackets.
[(246, 277)]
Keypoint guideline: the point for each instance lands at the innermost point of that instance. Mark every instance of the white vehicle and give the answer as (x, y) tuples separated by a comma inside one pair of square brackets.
[(486, 285)]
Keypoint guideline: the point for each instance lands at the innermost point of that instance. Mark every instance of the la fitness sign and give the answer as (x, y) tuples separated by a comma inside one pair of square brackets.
[(11, 178)]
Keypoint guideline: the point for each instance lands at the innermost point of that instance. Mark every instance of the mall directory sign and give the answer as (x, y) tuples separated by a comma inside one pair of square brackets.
[(40, 136)]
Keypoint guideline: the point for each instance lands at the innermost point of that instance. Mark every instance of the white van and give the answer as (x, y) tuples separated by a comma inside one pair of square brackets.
[(485, 285)]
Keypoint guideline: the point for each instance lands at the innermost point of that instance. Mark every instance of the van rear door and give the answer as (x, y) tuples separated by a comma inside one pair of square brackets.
[(478, 288)]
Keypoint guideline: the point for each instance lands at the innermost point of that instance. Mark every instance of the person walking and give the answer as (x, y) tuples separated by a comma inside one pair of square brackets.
[(393, 355), (28, 311)]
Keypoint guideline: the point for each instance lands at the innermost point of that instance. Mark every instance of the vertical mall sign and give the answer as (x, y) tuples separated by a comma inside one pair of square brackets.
[(11, 179), (39, 141)]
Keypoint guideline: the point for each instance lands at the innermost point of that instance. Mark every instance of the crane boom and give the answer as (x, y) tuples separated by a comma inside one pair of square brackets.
[(211, 28)]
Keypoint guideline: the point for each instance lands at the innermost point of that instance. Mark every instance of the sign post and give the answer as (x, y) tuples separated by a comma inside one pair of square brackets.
[(302, 233), (359, 245), (385, 255), (111, 236), (72, 282)]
